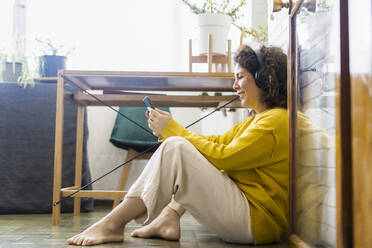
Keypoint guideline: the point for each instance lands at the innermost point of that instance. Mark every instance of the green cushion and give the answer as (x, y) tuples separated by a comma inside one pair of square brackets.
[(126, 134)]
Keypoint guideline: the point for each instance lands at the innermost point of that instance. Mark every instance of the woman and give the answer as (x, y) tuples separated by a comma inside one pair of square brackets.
[(235, 184)]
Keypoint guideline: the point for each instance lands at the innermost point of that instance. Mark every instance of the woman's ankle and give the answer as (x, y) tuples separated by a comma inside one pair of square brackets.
[(168, 211), (113, 224)]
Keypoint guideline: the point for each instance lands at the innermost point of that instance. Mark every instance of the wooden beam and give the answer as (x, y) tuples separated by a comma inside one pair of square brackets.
[(79, 154), (58, 151), (95, 193), (132, 100)]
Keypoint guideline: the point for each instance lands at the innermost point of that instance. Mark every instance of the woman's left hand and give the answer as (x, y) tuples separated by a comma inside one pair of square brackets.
[(157, 120)]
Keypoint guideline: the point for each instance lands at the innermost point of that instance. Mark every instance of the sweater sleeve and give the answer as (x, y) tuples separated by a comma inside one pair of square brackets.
[(253, 148), (225, 138)]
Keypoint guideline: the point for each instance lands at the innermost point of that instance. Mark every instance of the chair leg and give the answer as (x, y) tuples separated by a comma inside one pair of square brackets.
[(124, 175)]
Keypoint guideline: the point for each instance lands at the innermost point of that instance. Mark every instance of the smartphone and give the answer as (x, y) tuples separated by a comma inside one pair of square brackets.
[(146, 100)]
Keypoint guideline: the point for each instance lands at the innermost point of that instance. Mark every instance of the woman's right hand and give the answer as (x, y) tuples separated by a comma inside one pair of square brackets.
[(157, 120)]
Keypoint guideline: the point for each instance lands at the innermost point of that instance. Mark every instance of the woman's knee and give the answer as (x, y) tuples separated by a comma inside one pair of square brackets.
[(177, 148), (176, 142)]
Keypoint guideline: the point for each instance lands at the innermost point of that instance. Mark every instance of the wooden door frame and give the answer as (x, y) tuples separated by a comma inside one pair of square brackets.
[(344, 175), (293, 239), (344, 194)]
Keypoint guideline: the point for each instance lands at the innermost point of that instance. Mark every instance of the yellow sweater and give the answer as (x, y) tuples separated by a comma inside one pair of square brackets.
[(254, 153)]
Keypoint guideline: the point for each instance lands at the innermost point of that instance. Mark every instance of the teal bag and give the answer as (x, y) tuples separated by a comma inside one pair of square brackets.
[(126, 134)]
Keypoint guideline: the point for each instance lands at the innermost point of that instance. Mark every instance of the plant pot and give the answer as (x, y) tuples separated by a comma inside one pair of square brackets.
[(12, 71), (50, 64), (218, 26)]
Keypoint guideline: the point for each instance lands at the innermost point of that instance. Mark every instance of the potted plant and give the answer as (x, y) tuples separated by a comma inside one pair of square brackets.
[(53, 58), (10, 71), (14, 65), (215, 18)]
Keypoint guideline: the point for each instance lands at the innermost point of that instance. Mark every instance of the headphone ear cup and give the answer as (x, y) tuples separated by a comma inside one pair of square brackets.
[(257, 76), (257, 80)]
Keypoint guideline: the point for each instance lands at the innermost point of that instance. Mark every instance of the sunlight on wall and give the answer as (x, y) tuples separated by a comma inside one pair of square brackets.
[(6, 7), (114, 34), (111, 34)]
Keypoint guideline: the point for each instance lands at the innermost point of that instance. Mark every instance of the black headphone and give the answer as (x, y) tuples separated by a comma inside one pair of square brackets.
[(260, 58)]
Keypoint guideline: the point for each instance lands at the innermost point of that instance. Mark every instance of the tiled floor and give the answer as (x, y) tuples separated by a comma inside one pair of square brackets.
[(36, 231)]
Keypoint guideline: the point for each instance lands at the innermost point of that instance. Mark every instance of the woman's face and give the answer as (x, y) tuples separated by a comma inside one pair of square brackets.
[(245, 86)]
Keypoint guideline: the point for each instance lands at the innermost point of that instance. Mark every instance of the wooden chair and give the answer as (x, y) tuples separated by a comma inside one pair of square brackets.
[(125, 172), (219, 60), (127, 136)]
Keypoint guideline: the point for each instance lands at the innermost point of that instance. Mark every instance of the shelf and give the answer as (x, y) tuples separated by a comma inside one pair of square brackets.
[(49, 80), (135, 100)]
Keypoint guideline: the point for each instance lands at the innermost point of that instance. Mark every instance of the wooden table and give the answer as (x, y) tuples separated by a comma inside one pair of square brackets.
[(118, 88)]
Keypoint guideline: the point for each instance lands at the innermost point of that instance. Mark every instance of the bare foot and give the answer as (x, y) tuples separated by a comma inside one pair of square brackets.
[(165, 226), (100, 232)]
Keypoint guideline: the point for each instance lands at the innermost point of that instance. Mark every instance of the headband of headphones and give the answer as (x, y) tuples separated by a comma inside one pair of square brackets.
[(259, 56)]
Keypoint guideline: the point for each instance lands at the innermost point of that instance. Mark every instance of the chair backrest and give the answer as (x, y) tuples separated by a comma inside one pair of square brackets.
[(127, 135)]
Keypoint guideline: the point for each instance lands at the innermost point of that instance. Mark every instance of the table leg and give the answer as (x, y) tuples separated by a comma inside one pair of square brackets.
[(58, 151), (79, 155)]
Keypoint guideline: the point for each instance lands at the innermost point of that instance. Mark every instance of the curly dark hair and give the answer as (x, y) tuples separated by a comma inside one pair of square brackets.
[(270, 73)]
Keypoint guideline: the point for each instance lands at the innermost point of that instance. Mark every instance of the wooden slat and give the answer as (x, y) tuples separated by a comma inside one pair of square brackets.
[(46, 80), (58, 152), (229, 56), (85, 73), (150, 81), (70, 188), (79, 154), (216, 59), (158, 100), (95, 193), (210, 53), (190, 55), (162, 88)]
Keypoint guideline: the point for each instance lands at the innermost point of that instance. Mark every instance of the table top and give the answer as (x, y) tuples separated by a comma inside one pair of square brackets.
[(152, 81), (119, 87)]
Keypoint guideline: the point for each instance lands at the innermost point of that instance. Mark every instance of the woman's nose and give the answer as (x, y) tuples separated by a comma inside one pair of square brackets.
[(235, 85)]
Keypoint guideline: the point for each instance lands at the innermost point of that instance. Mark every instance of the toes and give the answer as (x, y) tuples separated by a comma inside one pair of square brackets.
[(73, 240), (80, 241), (70, 241), (137, 233), (85, 241)]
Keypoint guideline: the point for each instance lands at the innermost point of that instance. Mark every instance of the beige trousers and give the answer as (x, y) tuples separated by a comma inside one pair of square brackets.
[(179, 176)]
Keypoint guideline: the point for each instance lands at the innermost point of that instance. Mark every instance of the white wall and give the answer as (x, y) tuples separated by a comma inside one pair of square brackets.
[(103, 155)]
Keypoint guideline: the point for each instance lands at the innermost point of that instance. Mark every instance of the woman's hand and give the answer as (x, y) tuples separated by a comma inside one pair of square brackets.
[(157, 120)]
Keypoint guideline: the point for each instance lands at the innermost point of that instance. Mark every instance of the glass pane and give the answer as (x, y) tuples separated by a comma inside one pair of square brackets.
[(317, 49)]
